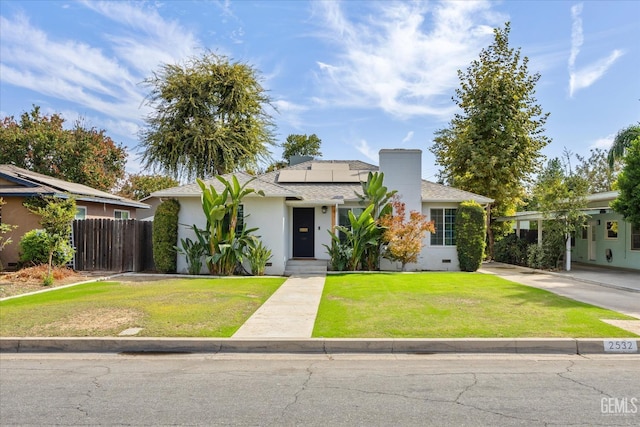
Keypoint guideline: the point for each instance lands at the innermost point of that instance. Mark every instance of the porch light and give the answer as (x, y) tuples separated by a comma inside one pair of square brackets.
[(324, 209)]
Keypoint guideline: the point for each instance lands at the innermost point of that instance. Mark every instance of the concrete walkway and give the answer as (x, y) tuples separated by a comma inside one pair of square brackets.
[(290, 312)]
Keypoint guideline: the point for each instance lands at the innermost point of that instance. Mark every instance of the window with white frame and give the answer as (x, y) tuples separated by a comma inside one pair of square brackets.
[(444, 221), (81, 212), (118, 214), (343, 218), (635, 238)]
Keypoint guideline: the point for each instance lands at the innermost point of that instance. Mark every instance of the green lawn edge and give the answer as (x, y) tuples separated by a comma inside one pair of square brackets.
[(184, 307), (453, 305)]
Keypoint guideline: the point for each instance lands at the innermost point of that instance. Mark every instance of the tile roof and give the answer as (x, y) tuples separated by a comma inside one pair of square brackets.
[(32, 183)]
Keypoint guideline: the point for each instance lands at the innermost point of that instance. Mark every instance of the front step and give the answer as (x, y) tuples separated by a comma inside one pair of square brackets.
[(305, 266)]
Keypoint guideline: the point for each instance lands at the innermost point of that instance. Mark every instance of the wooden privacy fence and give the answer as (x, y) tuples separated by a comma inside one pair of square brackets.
[(112, 245)]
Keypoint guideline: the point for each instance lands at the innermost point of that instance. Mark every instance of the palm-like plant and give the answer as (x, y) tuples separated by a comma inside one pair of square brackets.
[(622, 142), (224, 242)]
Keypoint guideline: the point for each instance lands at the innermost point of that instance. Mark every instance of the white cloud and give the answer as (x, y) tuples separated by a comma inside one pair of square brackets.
[(364, 148), (289, 112), (604, 143), (577, 37), (408, 138), (402, 58), (587, 75), (104, 80)]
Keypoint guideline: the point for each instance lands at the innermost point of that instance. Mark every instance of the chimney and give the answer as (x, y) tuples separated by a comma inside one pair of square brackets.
[(403, 172)]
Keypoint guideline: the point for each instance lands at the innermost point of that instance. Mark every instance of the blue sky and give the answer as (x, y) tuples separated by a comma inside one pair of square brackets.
[(362, 75)]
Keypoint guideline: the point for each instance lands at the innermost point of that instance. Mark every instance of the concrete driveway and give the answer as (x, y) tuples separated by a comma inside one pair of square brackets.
[(617, 290)]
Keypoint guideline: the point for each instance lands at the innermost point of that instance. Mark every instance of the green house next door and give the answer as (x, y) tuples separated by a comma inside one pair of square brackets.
[(303, 232)]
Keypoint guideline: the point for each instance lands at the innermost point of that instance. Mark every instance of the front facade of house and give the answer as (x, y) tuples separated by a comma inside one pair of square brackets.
[(17, 184), (303, 202), (607, 240)]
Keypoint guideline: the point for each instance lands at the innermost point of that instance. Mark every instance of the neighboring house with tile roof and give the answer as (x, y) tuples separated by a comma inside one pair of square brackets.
[(16, 184), (303, 201)]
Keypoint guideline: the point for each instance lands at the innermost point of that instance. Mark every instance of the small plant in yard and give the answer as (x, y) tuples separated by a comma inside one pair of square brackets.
[(258, 256), (193, 252), (339, 253), (55, 217), (404, 237)]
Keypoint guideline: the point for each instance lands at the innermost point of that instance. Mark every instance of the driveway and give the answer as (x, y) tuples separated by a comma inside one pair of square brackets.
[(616, 290)]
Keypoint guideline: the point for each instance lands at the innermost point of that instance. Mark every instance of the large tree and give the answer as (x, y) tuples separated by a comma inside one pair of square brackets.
[(41, 144), (209, 117), (301, 145), (494, 145), (138, 186), (628, 202), (596, 172)]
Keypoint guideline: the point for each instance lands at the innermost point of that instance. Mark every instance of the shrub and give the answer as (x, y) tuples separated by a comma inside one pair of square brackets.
[(193, 252), (165, 236), (34, 249), (258, 256), (512, 250), (535, 256), (470, 235), (339, 253)]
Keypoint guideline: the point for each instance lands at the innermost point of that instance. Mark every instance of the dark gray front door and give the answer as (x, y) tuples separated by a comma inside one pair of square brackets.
[(303, 232)]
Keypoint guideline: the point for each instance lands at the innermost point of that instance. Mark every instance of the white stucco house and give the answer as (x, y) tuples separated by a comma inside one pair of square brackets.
[(305, 200)]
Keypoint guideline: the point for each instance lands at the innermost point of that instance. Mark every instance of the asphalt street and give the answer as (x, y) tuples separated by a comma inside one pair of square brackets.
[(319, 390)]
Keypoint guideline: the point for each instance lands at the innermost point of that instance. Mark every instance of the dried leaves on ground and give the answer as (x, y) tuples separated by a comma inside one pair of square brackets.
[(30, 279)]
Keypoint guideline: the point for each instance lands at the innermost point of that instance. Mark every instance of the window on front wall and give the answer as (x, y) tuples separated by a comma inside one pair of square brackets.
[(239, 221), (444, 221), (117, 214), (635, 238), (612, 230), (343, 219), (81, 212)]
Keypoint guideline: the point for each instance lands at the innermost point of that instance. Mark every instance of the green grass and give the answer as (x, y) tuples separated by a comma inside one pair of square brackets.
[(165, 308), (452, 305)]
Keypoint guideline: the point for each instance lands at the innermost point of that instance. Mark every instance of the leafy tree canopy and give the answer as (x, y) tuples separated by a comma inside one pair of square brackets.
[(596, 172), (494, 146), (209, 118), (137, 186), (628, 202), (301, 145), (41, 144)]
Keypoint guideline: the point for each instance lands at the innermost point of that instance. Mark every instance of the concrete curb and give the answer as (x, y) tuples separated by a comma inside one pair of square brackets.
[(311, 345)]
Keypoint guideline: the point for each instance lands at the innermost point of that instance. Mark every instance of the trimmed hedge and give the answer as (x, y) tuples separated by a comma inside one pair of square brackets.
[(470, 235), (165, 236)]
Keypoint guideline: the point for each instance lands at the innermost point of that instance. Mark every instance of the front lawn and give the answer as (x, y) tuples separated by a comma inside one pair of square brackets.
[(452, 305), (164, 308)]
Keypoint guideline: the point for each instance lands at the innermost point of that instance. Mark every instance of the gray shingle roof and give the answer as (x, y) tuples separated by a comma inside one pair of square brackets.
[(28, 182), (193, 190), (324, 191)]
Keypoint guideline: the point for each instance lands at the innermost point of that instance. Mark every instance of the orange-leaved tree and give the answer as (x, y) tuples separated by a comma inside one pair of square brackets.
[(402, 236)]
